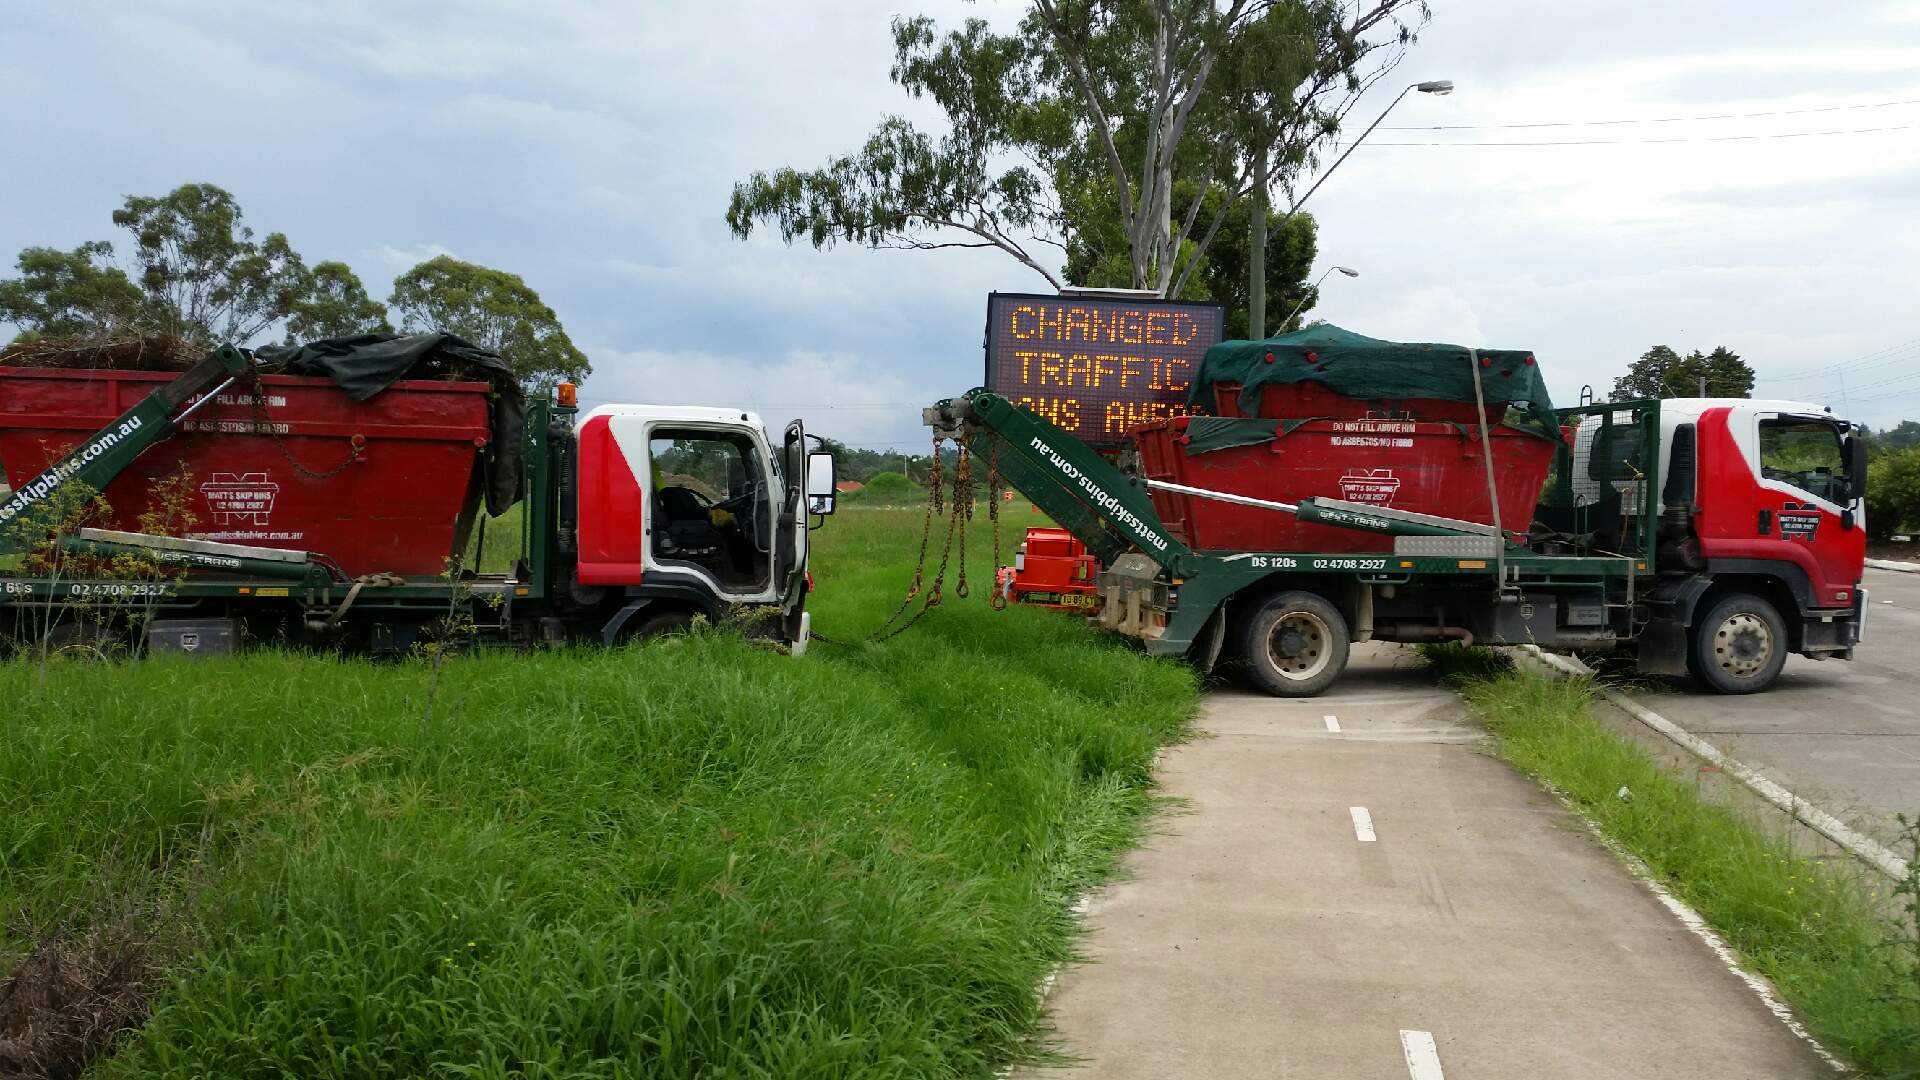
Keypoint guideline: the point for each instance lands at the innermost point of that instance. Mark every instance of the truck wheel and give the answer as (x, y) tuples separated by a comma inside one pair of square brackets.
[(1739, 645), (1295, 645), (665, 624)]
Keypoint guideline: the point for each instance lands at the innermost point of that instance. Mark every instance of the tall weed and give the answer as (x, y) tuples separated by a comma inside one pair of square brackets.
[(696, 857)]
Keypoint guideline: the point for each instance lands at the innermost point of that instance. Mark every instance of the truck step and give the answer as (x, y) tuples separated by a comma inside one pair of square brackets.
[(1434, 521), (1449, 547)]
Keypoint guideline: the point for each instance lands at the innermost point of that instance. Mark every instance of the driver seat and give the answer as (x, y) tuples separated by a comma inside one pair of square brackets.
[(684, 530)]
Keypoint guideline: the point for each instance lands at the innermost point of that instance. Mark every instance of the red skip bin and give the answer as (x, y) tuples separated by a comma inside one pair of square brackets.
[(378, 485)]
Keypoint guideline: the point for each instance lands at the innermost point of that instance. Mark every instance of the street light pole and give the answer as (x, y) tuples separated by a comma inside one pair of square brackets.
[(1441, 87), (1347, 270), (1257, 261)]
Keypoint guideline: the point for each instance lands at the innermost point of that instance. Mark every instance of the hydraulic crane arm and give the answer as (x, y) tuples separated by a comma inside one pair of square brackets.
[(94, 463), (1112, 513), (1102, 507)]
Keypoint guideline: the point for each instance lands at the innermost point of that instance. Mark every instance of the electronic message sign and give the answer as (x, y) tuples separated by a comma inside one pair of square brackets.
[(1097, 365)]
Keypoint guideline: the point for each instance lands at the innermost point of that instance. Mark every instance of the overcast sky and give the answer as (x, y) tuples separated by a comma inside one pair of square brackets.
[(591, 148)]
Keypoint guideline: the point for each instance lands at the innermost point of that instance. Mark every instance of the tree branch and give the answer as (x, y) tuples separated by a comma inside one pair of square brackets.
[(1203, 62), (995, 239), (1096, 104)]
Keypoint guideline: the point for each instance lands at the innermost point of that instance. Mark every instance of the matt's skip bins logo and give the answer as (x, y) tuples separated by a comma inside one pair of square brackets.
[(1101, 499), (49, 482)]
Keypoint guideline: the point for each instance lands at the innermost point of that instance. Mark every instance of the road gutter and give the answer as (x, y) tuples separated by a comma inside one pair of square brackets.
[(1864, 848)]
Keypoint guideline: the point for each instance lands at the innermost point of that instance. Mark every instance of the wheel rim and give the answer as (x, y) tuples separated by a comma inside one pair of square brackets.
[(1299, 646), (1743, 645)]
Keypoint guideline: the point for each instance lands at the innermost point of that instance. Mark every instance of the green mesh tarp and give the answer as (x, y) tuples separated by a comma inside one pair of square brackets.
[(1205, 434), (366, 364), (1357, 366)]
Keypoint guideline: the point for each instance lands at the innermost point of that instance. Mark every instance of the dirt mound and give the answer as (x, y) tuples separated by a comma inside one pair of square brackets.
[(150, 353)]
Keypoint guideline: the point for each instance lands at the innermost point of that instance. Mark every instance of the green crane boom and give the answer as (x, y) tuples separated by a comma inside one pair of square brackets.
[(94, 463), (1111, 512), (1106, 509)]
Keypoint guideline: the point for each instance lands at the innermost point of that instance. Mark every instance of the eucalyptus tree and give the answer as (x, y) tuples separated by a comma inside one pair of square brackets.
[(1124, 132), (493, 309)]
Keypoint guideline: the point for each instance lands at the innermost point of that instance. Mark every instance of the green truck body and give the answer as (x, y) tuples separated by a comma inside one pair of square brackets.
[(1289, 616), (113, 592)]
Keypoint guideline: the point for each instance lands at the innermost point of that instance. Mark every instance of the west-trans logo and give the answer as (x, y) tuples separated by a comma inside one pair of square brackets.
[(38, 488), (1104, 501)]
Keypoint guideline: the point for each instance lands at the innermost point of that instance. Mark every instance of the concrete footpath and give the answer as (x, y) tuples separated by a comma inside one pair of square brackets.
[(1330, 899)]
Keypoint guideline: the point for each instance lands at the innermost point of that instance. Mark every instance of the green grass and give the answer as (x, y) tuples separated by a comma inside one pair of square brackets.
[(1810, 928), (691, 858), (502, 542)]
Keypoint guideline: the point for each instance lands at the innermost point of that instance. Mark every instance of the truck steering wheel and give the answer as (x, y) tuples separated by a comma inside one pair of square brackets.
[(746, 509)]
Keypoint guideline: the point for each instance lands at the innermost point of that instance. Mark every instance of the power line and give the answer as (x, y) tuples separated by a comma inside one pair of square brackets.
[(1898, 380), (1676, 139), (1897, 387), (1650, 120), (1890, 361), (1892, 354)]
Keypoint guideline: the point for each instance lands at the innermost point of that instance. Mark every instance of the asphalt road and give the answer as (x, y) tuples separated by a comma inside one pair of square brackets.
[(1374, 896), (1843, 735)]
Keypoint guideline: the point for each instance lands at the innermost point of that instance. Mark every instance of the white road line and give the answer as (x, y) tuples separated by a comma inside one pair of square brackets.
[(1693, 921), (1423, 1058), (1333, 723), (1362, 824), (1879, 857)]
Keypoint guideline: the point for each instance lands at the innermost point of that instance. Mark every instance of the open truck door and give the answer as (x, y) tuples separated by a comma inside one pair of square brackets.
[(791, 545)]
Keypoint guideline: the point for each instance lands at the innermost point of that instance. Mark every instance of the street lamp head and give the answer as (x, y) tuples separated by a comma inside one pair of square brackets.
[(1437, 86), (1348, 270)]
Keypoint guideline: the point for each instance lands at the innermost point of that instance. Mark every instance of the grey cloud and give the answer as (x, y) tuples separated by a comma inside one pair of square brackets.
[(591, 149), (1888, 190)]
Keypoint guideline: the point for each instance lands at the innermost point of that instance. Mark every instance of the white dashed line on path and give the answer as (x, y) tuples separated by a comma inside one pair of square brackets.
[(1362, 824), (1423, 1058), (1333, 723)]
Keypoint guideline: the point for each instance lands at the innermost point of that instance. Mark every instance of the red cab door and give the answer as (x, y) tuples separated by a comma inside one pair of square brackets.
[(1776, 487)]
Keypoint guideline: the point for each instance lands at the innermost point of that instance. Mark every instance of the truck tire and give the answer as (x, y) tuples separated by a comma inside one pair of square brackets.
[(664, 624), (1295, 644), (1739, 645)]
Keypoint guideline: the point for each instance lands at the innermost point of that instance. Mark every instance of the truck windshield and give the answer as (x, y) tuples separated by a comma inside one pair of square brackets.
[(1806, 453)]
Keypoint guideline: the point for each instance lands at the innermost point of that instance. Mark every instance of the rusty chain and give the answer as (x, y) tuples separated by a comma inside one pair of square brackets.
[(962, 513), (957, 522), (920, 561), (263, 425), (998, 599)]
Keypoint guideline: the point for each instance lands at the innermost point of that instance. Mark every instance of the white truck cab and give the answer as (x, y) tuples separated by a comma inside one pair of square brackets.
[(682, 510)]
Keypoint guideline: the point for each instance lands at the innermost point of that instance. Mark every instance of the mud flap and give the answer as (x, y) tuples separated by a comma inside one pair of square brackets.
[(1213, 637), (1662, 648)]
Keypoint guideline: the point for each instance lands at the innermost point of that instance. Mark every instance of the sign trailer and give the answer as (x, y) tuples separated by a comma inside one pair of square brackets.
[(1094, 365)]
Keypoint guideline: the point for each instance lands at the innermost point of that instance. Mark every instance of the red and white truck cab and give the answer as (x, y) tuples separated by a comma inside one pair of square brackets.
[(1763, 539), (681, 511)]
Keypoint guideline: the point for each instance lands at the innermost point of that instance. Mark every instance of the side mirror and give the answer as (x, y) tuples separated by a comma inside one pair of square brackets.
[(1856, 453), (820, 484)]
